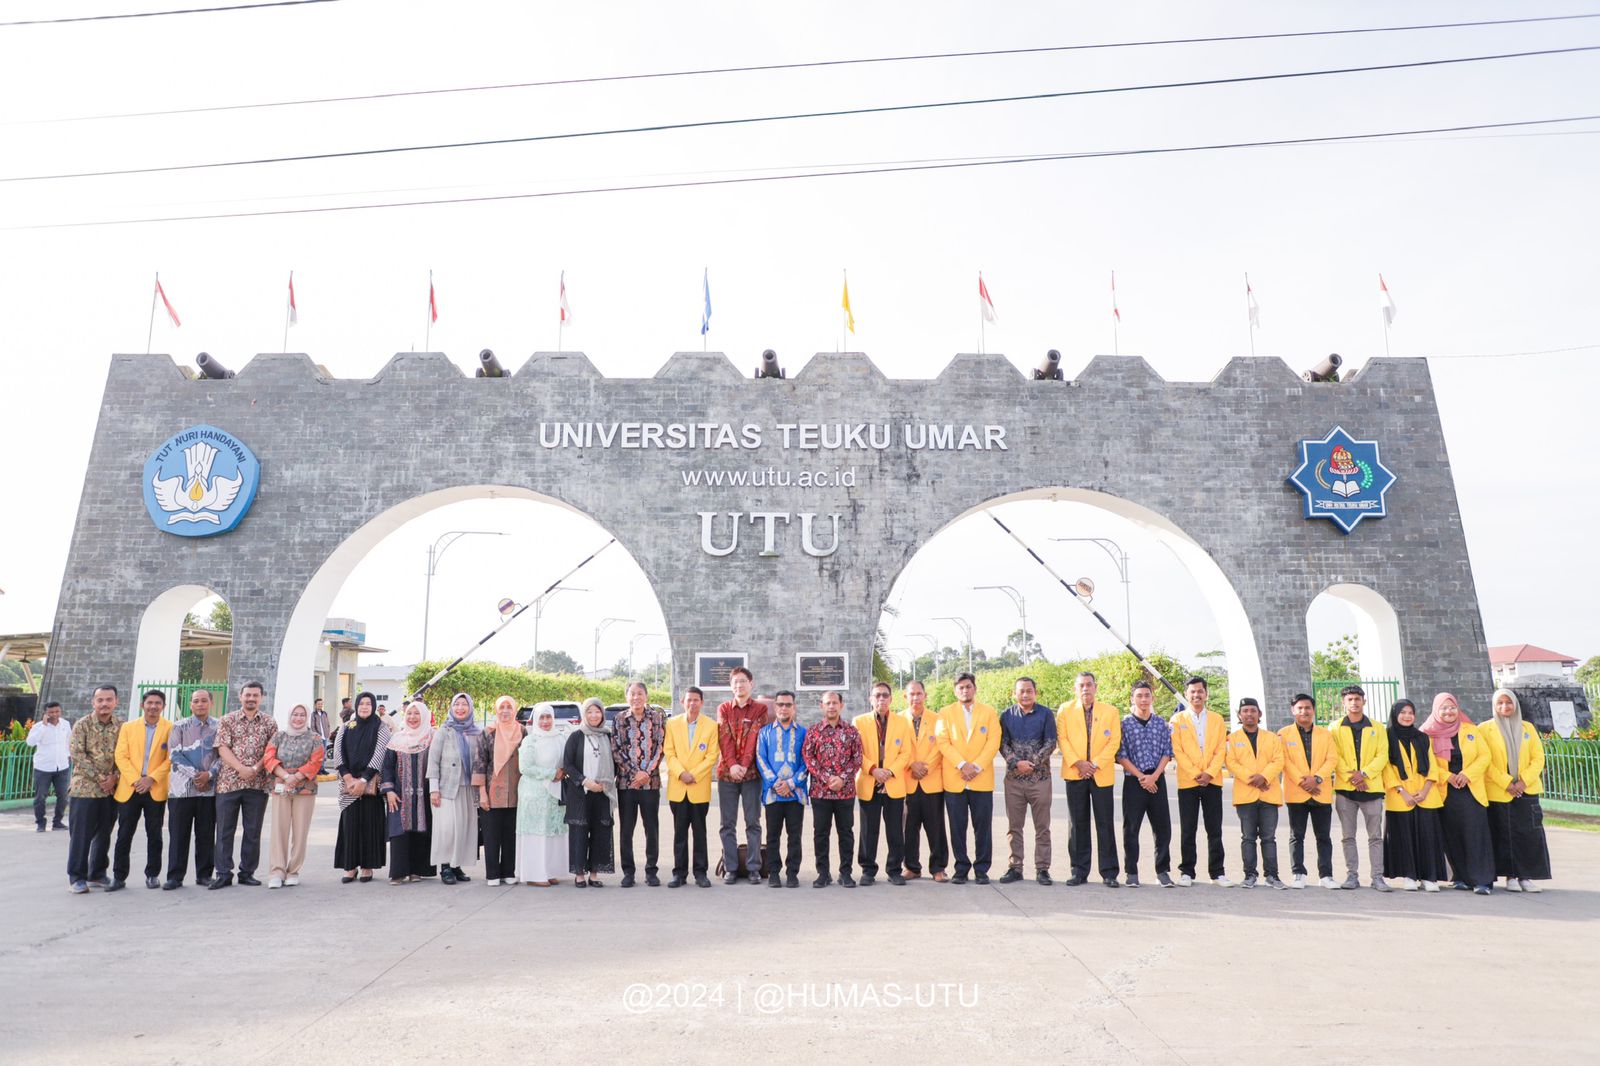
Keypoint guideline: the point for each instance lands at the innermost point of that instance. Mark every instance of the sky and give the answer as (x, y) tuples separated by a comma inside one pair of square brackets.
[(1486, 239)]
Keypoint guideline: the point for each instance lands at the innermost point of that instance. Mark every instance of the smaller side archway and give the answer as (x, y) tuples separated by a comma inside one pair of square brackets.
[(158, 653), (1377, 630)]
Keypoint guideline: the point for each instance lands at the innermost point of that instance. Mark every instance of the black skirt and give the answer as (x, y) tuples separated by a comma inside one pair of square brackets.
[(409, 855), (361, 836), (1413, 845), (1466, 838), (1517, 829)]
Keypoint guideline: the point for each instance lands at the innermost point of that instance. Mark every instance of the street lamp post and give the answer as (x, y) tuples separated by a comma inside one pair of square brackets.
[(911, 660), (1022, 606), (634, 640), (538, 613), (933, 643), (1120, 558), (436, 551), (601, 628), (965, 628)]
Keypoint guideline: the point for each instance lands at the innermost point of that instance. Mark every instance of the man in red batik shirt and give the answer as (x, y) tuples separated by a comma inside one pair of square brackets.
[(739, 724)]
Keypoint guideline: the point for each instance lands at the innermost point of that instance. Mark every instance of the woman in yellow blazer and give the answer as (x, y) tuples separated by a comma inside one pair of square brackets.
[(1516, 822), (690, 751), (1461, 748), (1414, 786), (144, 768)]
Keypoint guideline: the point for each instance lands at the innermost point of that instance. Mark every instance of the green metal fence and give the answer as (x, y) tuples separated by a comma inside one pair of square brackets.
[(16, 770), (1381, 695), (178, 693), (1572, 770)]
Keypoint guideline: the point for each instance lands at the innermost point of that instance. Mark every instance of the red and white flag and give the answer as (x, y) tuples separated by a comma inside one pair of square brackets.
[(167, 303), (433, 304), (1255, 308), (566, 308), (1115, 313), (294, 312), (985, 304), (1386, 302)]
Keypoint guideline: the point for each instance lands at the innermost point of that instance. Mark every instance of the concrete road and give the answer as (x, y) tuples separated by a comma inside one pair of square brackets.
[(373, 973)]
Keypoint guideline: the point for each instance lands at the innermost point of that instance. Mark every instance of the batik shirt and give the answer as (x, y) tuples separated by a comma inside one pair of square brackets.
[(780, 753), (193, 743), (247, 738), (94, 754), (1030, 737), (832, 751), (636, 745)]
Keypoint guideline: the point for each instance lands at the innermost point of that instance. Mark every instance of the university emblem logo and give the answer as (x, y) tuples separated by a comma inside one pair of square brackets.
[(1342, 479), (200, 482)]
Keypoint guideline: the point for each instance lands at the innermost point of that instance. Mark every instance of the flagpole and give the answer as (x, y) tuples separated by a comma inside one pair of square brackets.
[(427, 333), (1116, 318), (1249, 319), (981, 309), (561, 311), (286, 305), (842, 313), (1385, 314), (151, 331)]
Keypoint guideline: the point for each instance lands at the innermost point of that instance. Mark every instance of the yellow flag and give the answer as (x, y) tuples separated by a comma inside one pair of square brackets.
[(849, 318)]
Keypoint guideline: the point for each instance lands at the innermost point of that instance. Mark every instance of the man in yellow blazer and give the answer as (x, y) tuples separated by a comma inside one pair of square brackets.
[(1308, 762), (886, 744), (969, 739), (1199, 742), (924, 787), (690, 751), (1361, 751), (144, 767), (1255, 759), (1089, 732)]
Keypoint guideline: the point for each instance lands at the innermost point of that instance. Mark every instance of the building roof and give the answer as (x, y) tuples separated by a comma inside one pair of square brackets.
[(1528, 653)]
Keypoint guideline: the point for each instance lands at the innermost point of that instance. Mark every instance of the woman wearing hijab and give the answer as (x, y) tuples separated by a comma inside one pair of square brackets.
[(1516, 822), (1461, 750), (1413, 841), (541, 825), (455, 769), (590, 791), (294, 758), (358, 750), (405, 795), (497, 799)]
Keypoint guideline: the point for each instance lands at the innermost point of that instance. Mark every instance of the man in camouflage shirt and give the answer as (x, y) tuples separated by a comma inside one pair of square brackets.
[(94, 778)]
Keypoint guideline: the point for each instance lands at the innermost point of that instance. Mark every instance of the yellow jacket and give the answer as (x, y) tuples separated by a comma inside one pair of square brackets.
[(1295, 766), (698, 759), (1530, 762), (1266, 759), (1374, 755), (924, 749), (898, 740), (1392, 780), (1100, 749), (1474, 760), (1187, 753), (130, 757), (958, 746)]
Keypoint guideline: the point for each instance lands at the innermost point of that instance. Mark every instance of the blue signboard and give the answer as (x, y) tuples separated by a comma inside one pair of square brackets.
[(200, 482), (1342, 479)]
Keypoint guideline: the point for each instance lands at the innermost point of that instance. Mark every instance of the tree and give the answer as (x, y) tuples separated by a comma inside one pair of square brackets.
[(221, 616), (1339, 661), (619, 669), (1589, 672), (1025, 647), (550, 661), (190, 662)]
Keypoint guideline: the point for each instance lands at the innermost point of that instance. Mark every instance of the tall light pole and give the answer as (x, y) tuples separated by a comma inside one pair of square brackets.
[(601, 628), (436, 551), (911, 660), (933, 643), (634, 640), (1120, 558), (965, 628), (1022, 606), (538, 613)]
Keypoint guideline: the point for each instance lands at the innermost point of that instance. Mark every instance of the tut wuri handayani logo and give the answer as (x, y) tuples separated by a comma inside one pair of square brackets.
[(200, 482), (1342, 479)]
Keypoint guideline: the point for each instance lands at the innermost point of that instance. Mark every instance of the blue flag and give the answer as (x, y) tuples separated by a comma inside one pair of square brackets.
[(705, 316)]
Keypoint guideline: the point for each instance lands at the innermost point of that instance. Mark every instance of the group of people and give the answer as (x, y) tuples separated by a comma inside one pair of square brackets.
[(1443, 801)]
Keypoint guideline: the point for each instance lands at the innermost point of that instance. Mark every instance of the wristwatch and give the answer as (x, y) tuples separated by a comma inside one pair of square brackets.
[(1319, 779)]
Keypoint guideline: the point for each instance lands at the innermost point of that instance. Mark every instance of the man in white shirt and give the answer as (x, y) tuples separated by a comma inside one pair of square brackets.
[(52, 769)]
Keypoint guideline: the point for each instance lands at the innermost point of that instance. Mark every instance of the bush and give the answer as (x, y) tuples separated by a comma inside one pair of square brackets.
[(1115, 671), (486, 682)]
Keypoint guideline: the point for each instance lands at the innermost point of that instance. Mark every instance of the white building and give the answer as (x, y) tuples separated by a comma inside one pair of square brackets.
[(1530, 663)]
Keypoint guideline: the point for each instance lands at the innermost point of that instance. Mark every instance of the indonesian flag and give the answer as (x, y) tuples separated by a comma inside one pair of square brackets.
[(1115, 313), (433, 304), (167, 303), (1386, 302), (294, 312), (1255, 308), (566, 308), (985, 304)]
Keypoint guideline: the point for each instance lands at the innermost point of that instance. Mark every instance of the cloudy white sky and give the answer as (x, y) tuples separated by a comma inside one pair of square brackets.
[(1487, 240)]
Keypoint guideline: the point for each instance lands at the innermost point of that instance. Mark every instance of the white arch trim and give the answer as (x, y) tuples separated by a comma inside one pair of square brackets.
[(1245, 675), (1377, 632), (155, 657)]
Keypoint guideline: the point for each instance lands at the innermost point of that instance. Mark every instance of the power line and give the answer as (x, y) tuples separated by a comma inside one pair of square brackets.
[(812, 65), (714, 123), (156, 14), (1511, 355), (756, 179)]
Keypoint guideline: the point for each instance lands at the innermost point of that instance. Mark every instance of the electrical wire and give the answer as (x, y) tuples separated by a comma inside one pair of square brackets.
[(854, 172), (810, 65), (756, 119), (157, 14)]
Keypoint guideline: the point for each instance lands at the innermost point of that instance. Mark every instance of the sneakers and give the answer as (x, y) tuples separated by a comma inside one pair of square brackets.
[(493, 882), (275, 882), (1185, 881), (78, 888), (1222, 882), (773, 880), (1529, 886), (1328, 882), (291, 880), (1132, 881), (1248, 882), (627, 881), (1273, 882), (1010, 877), (1381, 885), (1165, 880), (41, 828), (1513, 885), (1405, 884), (1112, 882), (1483, 890), (1430, 886), (1351, 883), (1299, 881)]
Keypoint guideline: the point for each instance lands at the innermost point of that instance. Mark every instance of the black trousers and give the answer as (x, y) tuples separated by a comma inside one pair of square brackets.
[(129, 812), (499, 842), (1086, 800), (889, 813), (1258, 824), (43, 782), (1193, 804), (789, 816), (643, 806), (827, 814), (978, 809), (1320, 815), (252, 803), (1138, 805), (688, 819), (89, 839), (186, 815), (1516, 829), (925, 814)]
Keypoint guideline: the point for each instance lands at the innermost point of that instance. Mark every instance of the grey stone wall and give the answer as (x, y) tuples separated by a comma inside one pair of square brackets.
[(1211, 457)]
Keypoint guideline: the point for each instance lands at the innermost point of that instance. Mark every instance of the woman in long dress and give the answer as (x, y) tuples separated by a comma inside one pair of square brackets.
[(1464, 753), (1516, 821), (1413, 842), (590, 791), (358, 750), (455, 769), (405, 794), (541, 823)]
